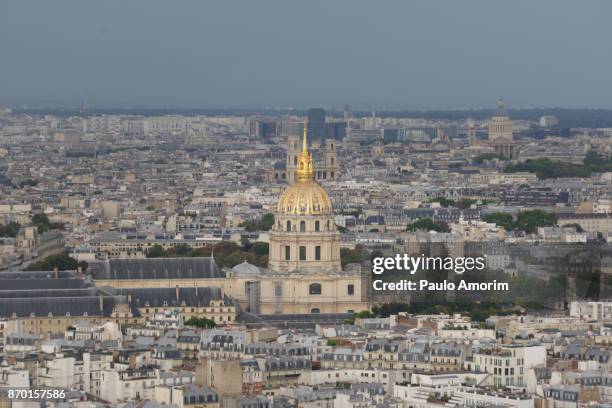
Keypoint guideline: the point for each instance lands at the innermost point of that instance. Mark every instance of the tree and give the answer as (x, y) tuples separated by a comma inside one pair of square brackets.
[(9, 230), (356, 255), (61, 262), (530, 221), (364, 314), (261, 248), (28, 182), (266, 222), (249, 225), (156, 251), (546, 168), (577, 227), (467, 203), (486, 156), (182, 250), (444, 202), (201, 323), (427, 224), (501, 219), (41, 221)]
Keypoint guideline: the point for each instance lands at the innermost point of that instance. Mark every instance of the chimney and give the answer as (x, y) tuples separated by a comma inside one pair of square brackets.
[(101, 305), (178, 302), (56, 272), (129, 297), (80, 271)]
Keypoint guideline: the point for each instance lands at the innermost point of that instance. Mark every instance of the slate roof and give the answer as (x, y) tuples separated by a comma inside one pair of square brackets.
[(35, 274), (36, 293), (157, 296), (58, 306), (157, 268), (28, 283)]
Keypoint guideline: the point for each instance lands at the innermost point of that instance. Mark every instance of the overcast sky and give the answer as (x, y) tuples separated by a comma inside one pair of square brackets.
[(403, 54)]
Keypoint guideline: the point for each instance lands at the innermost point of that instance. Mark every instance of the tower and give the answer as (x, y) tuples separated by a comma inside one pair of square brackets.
[(471, 133), (304, 238), (330, 158), (500, 126), (316, 125), (293, 151)]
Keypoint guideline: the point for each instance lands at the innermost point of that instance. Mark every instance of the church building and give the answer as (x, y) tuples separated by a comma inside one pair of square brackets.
[(304, 273)]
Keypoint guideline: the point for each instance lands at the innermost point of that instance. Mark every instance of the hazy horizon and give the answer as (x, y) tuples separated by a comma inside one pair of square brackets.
[(393, 55)]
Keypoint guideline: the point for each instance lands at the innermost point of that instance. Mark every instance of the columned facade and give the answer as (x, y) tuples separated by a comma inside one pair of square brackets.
[(304, 244)]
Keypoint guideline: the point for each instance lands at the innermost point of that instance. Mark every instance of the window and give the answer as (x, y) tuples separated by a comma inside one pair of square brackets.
[(318, 253), (302, 226), (288, 225), (315, 289), (278, 289), (287, 252), (317, 226), (302, 253), (315, 310), (351, 289)]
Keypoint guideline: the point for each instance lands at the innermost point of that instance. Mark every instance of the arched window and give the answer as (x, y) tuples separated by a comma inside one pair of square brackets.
[(317, 226), (328, 225), (314, 289), (315, 310), (302, 226), (288, 225)]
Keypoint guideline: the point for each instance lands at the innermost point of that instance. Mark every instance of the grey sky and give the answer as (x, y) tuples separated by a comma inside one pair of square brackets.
[(276, 53)]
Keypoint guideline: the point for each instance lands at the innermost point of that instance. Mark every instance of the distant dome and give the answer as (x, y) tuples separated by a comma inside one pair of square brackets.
[(245, 268), (500, 110)]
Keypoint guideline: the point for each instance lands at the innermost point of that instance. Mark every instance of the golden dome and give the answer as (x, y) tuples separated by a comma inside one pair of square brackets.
[(305, 196)]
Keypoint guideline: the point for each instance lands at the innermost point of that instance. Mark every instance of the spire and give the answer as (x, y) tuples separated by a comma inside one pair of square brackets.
[(304, 170), (305, 138)]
